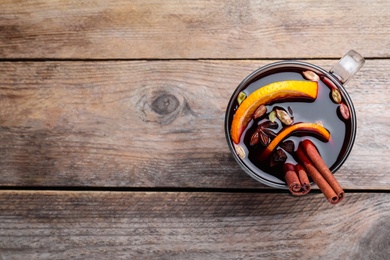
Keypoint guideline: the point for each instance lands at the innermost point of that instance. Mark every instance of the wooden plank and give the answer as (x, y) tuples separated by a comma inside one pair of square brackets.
[(154, 124), (144, 29), (64, 225)]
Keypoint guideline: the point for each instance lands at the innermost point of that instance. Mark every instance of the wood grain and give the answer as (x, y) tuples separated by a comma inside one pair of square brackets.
[(160, 29), (111, 130), (154, 124), (64, 225)]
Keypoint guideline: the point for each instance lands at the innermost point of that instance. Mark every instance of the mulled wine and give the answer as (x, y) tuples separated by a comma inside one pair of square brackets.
[(282, 122)]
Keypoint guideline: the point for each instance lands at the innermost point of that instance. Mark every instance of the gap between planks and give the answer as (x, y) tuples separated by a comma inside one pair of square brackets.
[(168, 189), (171, 59)]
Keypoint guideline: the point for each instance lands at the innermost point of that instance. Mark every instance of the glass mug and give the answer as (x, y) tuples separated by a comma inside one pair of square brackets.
[(335, 113)]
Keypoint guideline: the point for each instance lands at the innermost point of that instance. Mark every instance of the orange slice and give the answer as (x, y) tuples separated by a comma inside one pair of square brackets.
[(302, 127), (267, 94)]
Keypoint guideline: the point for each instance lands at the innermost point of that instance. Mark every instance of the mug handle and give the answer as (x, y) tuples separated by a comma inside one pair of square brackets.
[(347, 66)]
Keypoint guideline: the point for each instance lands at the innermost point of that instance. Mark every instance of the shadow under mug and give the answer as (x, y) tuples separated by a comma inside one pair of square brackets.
[(340, 74)]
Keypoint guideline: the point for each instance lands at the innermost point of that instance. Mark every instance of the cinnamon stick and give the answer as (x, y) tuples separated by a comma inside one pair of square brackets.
[(312, 152), (324, 186), (292, 180), (302, 176)]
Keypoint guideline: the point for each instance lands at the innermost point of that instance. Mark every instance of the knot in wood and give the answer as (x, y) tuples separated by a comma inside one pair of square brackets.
[(375, 243), (165, 104)]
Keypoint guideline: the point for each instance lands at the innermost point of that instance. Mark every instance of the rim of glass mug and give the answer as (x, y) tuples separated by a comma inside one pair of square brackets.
[(288, 64)]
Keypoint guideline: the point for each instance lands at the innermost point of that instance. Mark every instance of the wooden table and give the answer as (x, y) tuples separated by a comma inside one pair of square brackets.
[(111, 130)]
